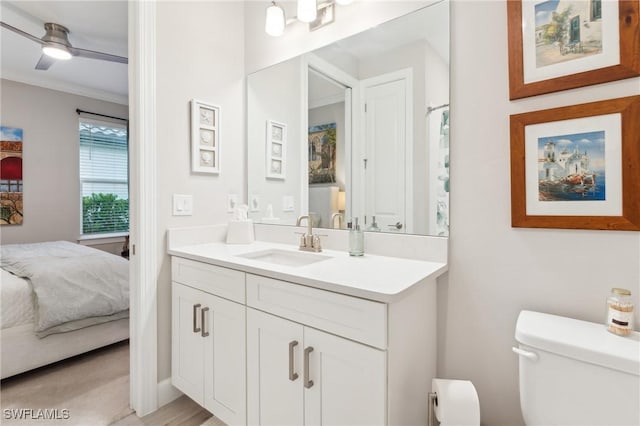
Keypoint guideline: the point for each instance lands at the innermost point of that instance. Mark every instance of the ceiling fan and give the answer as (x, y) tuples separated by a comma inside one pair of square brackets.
[(55, 45)]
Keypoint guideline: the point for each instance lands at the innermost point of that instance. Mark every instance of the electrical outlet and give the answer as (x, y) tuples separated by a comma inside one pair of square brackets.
[(232, 202), (288, 204)]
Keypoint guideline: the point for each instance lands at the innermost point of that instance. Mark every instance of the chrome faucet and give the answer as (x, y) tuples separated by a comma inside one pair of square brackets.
[(308, 241)]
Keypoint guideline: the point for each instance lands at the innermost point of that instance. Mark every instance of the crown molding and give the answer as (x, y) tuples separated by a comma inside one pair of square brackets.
[(65, 87)]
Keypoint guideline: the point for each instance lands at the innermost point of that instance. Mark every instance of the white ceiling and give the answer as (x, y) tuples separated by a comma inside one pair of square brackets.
[(94, 25)]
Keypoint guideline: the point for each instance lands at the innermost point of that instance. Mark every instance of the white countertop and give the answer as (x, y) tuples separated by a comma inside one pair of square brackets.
[(380, 278)]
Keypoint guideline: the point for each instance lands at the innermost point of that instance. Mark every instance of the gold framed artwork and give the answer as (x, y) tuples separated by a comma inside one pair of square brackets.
[(557, 45), (577, 167)]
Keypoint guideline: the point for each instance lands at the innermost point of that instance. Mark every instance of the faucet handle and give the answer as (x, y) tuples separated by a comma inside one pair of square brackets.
[(317, 244), (303, 239)]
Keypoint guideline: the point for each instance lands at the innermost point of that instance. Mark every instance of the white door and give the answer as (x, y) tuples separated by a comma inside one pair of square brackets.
[(349, 382), (386, 161), (187, 341), (274, 370), (224, 360)]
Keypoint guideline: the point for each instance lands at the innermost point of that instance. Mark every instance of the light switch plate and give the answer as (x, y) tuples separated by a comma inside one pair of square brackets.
[(254, 203), (287, 203), (232, 202), (182, 204)]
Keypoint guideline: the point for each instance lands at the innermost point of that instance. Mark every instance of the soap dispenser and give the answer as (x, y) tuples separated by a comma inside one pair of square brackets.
[(356, 239)]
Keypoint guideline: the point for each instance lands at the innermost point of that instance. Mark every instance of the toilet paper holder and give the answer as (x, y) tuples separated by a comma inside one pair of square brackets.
[(431, 412)]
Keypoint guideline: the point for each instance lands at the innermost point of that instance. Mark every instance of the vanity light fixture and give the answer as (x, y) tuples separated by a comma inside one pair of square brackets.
[(275, 22), (307, 11)]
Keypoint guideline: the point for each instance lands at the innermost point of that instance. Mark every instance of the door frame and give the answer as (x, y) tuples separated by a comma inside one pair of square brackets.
[(405, 74), (143, 267), (312, 61)]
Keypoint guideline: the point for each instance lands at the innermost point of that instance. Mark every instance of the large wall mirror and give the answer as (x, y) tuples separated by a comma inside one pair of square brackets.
[(359, 128)]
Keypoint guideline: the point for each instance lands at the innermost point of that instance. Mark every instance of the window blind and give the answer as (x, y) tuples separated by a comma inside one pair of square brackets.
[(104, 182)]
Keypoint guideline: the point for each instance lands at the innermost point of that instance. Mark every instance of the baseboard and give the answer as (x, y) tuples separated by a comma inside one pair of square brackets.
[(166, 392)]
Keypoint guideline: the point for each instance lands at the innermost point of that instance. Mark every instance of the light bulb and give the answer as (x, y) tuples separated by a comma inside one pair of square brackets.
[(56, 52), (275, 23), (307, 10)]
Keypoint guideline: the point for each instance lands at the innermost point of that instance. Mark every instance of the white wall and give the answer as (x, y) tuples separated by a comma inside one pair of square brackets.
[(495, 270), (199, 55), (50, 159)]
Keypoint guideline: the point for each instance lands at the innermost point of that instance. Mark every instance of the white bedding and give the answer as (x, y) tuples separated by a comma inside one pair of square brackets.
[(17, 301), (70, 282)]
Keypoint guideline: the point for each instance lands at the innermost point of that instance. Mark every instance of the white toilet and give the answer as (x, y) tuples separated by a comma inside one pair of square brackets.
[(576, 373)]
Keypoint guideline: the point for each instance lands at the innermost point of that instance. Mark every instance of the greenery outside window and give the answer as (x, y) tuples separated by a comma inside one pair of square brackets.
[(104, 180)]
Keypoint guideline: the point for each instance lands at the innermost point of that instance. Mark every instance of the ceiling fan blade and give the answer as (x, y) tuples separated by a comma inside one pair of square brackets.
[(45, 62), (20, 32), (91, 54)]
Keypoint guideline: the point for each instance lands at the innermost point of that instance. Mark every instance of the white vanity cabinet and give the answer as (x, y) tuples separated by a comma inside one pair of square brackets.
[(298, 375), (208, 338), (282, 353)]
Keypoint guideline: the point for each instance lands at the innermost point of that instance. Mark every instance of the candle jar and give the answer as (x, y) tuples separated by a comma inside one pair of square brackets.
[(620, 312)]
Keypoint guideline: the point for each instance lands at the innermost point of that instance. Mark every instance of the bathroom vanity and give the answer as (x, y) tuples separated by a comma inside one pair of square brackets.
[(266, 334)]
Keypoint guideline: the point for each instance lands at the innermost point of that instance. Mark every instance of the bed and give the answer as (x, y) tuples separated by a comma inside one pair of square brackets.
[(59, 299)]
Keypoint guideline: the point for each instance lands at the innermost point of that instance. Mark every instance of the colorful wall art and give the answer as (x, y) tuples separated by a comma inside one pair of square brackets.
[(11, 211)]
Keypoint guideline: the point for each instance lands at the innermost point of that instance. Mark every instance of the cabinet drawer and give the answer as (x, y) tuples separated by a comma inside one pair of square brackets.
[(357, 319), (223, 282)]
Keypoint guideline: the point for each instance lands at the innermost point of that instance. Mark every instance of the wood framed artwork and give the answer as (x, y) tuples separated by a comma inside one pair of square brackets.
[(205, 137), (276, 150), (577, 167), (557, 45)]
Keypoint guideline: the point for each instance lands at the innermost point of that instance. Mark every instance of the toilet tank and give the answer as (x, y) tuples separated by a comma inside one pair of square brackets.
[(576, 373)]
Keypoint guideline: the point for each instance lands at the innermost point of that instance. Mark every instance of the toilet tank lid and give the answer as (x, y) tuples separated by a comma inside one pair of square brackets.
[(582, 340)]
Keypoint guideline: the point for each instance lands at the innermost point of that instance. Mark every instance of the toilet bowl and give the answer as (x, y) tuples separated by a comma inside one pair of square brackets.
[(576, 373)]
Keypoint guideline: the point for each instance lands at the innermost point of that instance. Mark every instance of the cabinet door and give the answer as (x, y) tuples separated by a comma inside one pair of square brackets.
[(224, 360), (274, 397), (349, 382), (187, 341)]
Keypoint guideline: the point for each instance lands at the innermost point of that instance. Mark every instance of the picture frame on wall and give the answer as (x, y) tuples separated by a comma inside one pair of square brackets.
[(577, 167), (558, 45), (205, 137), (276, 150)]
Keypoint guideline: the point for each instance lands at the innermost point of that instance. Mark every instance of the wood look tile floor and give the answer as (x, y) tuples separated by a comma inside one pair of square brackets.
[(94, 388)]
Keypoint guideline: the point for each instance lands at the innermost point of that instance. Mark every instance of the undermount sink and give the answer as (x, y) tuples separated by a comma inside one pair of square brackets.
[(285, 257)]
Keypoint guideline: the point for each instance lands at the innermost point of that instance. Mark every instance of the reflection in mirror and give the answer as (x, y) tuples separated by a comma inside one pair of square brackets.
[(367, 128)]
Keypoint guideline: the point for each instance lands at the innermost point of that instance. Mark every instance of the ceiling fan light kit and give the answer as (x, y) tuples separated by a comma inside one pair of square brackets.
[(56, 45)]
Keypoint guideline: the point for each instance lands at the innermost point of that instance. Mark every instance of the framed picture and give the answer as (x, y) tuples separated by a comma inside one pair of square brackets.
[(322, 153), (558, 45), (11, 200), (276, 150), (205, 141), (577, 167)]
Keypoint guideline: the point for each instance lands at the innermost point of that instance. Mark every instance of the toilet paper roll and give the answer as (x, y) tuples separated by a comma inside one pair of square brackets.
[(458, 403)]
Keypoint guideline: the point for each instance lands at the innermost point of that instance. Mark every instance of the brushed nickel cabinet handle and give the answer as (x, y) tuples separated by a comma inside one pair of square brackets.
[(196, 329), (307, 383), (292, 376), (203, 318)]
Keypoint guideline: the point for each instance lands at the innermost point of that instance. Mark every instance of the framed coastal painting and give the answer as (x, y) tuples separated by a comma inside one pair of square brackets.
[(564, 44), (577, 167), (322, 153), (276, 150), (11, 200), (205, 137)]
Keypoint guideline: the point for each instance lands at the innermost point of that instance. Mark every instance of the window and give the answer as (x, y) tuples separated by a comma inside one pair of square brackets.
[(596, 10), (104, 183)]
